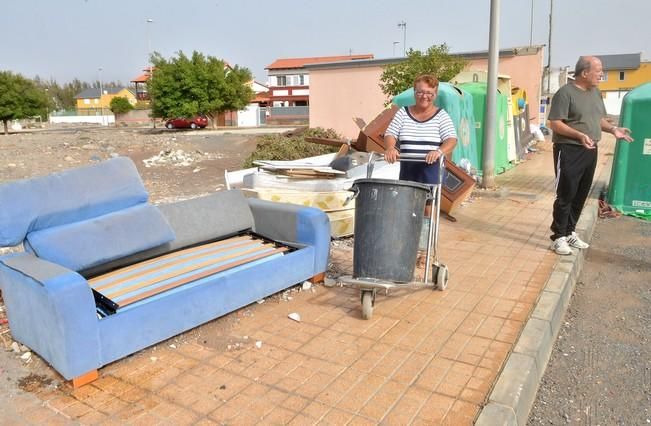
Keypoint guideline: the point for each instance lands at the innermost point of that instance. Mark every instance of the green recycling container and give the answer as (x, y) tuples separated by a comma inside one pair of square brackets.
[(458, 104), (630, 180), (478, 91)]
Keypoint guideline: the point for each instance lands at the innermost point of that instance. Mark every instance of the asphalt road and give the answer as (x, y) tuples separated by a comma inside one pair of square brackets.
[(600, 368)]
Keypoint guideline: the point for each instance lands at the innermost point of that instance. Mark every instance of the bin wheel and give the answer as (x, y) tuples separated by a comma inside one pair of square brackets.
[(367, 304), (442, 276)]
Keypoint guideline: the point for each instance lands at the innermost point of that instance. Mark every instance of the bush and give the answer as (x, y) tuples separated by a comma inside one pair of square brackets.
[(120, 105), (294, 147)]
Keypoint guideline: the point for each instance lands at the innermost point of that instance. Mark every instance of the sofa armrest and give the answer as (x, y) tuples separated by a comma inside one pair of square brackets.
[(51, 309), (294, 224)]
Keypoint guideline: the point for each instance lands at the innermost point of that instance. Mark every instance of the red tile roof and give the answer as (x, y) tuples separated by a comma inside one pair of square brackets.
[(142, 78), (285, 63)]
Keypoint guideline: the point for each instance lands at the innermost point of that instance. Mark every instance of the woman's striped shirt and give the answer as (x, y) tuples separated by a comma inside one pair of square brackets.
[(416, 138)]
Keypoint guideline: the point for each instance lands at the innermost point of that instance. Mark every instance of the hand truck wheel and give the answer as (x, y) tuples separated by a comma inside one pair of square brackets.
[(441, 277), (367, 304)]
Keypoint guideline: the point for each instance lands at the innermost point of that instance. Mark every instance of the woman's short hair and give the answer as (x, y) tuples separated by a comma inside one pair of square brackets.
[(428, 79)]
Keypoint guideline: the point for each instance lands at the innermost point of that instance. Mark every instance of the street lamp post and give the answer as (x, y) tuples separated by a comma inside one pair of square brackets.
[(101, 92), (403, 25), (47, 105), (151, 67), (531, 26)]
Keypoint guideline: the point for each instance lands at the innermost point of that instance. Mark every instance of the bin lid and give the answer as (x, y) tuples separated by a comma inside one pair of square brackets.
[(393, 182)]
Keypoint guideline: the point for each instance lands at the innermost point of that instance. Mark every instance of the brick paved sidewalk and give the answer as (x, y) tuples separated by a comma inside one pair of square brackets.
[(426, 357)]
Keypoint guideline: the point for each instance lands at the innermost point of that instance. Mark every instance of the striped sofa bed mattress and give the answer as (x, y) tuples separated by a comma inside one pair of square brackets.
[(132, 285)]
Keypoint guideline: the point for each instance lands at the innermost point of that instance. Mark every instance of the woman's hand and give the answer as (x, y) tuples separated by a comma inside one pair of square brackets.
[(432, 156), (391, 155)]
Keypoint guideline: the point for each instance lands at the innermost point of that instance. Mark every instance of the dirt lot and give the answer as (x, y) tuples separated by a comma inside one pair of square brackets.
[(600, 369), (197, 169)]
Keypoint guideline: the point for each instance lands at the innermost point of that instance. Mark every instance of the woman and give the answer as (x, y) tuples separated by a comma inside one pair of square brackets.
[(421, 132)]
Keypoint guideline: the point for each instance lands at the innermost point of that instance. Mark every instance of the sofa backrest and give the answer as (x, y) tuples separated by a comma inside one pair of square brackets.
[(194, 221), (71, 196), (83, 217)]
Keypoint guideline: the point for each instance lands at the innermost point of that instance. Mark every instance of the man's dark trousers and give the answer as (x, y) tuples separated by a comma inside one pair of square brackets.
[(574, 166)]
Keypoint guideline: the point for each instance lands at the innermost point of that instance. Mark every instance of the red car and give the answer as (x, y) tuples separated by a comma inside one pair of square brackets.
[(198, 122)]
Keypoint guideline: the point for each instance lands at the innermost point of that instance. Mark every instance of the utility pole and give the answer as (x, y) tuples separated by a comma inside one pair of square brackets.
[(101, 92), (488, 162), (151, 66), (403, 25), (531, 26)]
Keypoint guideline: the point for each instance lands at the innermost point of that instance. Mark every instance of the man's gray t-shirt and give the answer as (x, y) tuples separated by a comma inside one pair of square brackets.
[(580, 109)]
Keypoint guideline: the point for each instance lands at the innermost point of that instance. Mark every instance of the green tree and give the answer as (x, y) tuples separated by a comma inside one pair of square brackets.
[(19, 98), (120, 105), (188, 86), (397, 78)]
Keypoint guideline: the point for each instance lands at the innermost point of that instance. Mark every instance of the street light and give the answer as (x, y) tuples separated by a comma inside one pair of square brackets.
[(531, 26), (47, 105), (101, 92), (149, 21), (403, 25), (151, 66), (394, 48)]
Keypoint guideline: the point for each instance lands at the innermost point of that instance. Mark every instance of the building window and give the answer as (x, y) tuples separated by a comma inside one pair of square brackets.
[(621, 76), (281, 80), (301, 80), (604, 77), (87, 101)]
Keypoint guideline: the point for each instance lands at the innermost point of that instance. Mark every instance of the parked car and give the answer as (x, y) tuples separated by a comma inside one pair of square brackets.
[(198, 122)]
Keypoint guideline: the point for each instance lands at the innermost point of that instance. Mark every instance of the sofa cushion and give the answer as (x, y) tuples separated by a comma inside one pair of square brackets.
[(91, 242), (62, 198), (210, 217), (194, 221)]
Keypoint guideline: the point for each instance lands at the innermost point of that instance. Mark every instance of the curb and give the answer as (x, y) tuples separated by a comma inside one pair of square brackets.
[(514, 392)]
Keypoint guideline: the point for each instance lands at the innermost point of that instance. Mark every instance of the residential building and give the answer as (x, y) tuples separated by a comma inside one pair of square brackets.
[(140, 84), (340, 91), (253, 115), (289, 84), (91, 102), (622, 72)]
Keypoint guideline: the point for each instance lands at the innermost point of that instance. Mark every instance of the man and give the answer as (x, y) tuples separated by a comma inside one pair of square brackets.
[(577, 117)]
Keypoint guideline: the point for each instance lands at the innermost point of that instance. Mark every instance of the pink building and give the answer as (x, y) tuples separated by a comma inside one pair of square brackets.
[(344, 90)]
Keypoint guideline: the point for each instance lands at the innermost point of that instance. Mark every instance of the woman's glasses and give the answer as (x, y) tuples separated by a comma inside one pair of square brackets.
[(425, 94)]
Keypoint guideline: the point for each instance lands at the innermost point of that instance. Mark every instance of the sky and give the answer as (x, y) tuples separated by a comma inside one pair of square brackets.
[(66, 39)]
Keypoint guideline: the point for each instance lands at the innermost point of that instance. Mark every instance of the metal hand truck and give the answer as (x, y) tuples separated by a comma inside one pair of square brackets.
[(369, 286)]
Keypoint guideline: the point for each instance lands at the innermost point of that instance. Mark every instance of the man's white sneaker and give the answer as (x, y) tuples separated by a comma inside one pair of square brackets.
[(576, 242), (560, 246)]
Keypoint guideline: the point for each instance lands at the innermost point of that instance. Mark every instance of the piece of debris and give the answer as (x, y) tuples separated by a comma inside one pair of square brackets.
[(26, 356), (153, 359), (329, 282), (260, 302), (173, 346), (24, 348), (177, 157), (296, 317), (258, 344), (15, 347), (306, 285)]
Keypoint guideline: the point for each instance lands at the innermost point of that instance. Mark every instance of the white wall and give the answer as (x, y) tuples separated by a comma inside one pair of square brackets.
[(93, 119), (613, 102), (249, 117)]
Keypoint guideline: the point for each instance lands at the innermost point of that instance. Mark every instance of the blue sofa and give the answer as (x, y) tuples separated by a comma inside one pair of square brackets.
[(95, 225)]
